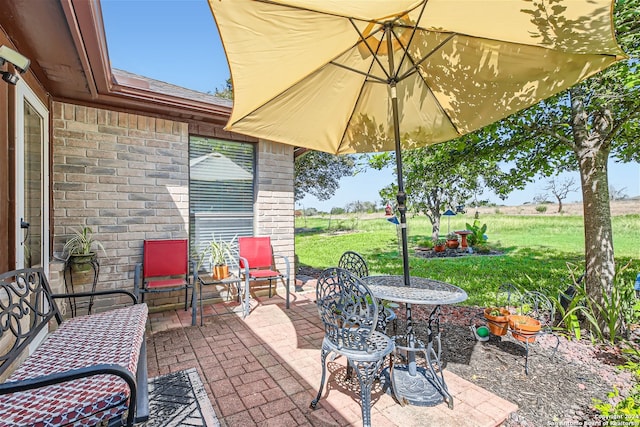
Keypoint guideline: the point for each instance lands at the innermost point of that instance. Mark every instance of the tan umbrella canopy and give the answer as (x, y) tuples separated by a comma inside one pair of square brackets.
[(318, 73)]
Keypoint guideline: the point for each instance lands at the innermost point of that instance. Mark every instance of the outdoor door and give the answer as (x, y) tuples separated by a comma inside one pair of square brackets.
[(32, 182)]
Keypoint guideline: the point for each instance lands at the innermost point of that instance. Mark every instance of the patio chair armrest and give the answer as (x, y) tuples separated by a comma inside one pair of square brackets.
[(134, 299), (286, 262), (243, 261), (137, 280), (194, 270), (70, 375)]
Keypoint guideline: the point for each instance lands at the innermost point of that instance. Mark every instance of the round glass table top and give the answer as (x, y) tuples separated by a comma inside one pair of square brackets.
[(420, 291)]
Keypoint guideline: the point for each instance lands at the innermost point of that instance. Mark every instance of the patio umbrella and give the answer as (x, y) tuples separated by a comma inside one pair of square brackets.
[(386, 75)]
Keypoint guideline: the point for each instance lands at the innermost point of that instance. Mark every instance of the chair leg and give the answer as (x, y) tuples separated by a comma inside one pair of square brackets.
[(367, 372), (323, 357)]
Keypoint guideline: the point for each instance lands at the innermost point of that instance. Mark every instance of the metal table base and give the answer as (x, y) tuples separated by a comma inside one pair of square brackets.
[(410, 383)]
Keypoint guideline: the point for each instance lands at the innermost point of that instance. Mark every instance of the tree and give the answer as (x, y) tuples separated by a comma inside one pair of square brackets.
[(617, 194), (437, 178), (319, 173), (560, 189), (579, 129), (226, 91)]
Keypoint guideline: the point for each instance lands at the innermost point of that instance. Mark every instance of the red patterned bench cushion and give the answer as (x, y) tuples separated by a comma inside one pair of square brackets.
[(111, 337)]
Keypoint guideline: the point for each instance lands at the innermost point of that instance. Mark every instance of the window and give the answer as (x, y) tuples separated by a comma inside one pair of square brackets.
[(221, 190)]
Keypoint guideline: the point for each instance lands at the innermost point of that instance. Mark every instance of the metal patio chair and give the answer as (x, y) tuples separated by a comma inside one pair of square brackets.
[(349, 313), (356, 264), (165, 268), (257, 262)]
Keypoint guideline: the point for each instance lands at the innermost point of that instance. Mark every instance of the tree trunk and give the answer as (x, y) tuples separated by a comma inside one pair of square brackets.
[(592, 150), (559, 204), (598, 235), (435, 227)]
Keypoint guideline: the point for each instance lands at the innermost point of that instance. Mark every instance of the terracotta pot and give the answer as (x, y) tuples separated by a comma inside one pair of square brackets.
[(498, 325), (452, 244), (439, 248), (220, 272), (524, 328)]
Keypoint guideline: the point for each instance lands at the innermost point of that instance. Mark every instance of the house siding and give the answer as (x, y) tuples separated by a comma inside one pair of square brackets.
[(274, 201), (127, 177)]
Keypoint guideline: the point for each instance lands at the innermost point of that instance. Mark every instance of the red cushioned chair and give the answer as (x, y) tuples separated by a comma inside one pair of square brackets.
[(165, 268), (257, 261)]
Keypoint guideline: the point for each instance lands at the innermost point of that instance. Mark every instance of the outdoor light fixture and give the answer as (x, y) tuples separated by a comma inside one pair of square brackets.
[(20, 62), (9, 77)]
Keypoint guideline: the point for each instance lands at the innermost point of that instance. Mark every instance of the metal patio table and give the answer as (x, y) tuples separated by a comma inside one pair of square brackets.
[(414, 384), (243, 296)]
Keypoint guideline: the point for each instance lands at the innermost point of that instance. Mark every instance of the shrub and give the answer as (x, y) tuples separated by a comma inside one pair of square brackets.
[(477, 233), (541, 209)]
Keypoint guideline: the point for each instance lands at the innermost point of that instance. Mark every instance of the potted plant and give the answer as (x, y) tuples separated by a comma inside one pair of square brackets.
[(439, 245), (81, 249), (452, 240), (219, 252), (524, 328), (497, 320)]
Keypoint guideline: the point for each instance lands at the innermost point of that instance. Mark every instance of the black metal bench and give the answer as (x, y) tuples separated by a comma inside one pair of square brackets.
[(92, 369)]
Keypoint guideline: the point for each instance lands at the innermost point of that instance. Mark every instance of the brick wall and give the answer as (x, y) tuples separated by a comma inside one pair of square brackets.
[(126, 176), (275, 202)]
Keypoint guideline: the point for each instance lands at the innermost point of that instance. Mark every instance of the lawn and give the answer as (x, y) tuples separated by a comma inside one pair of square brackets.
[(536, 250)]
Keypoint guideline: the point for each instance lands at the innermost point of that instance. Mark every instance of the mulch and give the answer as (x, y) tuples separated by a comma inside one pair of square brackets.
[(558, 390)]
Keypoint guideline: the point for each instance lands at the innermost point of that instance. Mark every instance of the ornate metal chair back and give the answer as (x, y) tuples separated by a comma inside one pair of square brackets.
[(538, 306), (355, 263), (347, 308)]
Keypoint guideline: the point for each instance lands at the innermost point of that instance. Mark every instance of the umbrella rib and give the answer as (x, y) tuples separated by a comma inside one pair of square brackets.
[(414, 68), (414, 29), (368, 75), (363, 39)]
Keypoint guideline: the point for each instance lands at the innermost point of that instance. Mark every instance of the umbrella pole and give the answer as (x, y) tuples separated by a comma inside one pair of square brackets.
[(402, 196)]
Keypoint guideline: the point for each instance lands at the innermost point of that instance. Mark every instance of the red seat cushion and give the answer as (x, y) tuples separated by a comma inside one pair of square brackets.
[(262, 274), (113, 337), (168, 283)]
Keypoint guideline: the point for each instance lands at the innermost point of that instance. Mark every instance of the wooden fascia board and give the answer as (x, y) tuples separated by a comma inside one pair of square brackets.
[(79, 36)]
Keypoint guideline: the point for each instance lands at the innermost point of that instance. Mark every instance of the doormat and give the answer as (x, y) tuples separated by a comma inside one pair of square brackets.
[(179, 399)]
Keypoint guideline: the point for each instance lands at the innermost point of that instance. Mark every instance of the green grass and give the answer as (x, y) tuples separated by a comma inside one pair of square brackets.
[(536, 250)]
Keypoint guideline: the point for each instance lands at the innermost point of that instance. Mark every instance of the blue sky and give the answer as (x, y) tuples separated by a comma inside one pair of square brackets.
[(176, 41)]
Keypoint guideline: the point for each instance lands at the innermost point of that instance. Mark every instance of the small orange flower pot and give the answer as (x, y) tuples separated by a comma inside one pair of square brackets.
[(498, 325), (524, 328), (220, 272)]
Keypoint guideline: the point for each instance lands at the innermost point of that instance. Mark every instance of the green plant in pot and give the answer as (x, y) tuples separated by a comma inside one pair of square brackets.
[(219, 252), (81, 248), (452, 240), (439, 245), (497, 320)]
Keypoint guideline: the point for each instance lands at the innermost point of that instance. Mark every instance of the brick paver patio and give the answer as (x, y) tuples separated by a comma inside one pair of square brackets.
[(265, 370)]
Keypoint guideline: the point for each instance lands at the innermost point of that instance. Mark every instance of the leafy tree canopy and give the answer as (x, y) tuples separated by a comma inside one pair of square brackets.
[(319, 174)]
